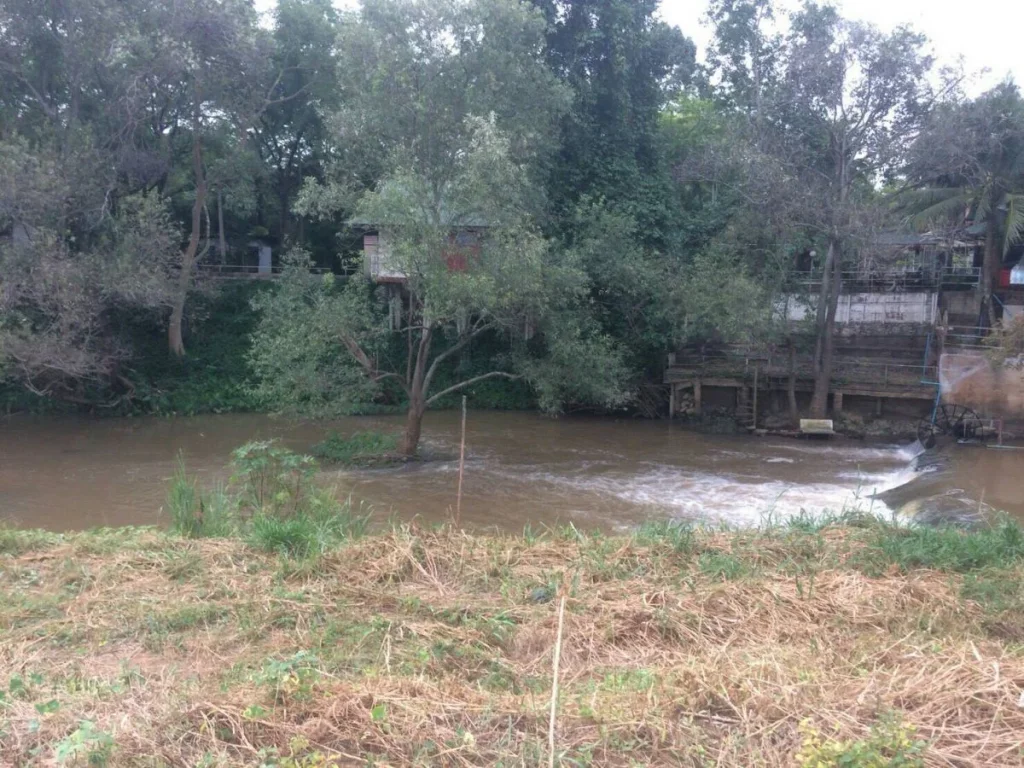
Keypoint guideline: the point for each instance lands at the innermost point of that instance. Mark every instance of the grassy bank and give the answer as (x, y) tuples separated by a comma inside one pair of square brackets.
[(802, 645)]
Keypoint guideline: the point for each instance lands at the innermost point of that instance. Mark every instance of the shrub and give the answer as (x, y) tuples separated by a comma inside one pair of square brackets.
[(272, 477)]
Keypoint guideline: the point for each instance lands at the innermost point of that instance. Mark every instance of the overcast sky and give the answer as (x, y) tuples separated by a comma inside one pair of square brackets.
[(986, 33)]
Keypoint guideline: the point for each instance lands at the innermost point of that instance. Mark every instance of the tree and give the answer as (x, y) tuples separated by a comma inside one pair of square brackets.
[(966, 170), (835, 105), (622, 64), (473, 265), (57, 297), (447, 108)]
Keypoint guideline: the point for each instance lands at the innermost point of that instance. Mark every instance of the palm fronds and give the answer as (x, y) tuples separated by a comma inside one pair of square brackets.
[(1014, 228), (933, 204)]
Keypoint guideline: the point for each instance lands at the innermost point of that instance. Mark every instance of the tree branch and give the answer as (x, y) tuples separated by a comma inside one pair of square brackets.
[(363, 359), (474, 380), (459, 345)]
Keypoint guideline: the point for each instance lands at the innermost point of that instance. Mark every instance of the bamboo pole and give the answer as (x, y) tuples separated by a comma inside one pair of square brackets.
[(554, 684), (462, 464)]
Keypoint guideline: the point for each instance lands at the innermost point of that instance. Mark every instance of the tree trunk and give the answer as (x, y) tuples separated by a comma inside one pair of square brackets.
[(222, 243), (828, 302), (794, 413), (990, 272), (175, 342), (188, 256), (413, 426)]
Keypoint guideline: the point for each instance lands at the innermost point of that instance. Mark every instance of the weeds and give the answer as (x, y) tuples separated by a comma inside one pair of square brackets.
[(359, 449)]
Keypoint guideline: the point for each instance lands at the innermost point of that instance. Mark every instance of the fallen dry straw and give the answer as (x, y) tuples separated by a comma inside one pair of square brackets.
[(435, 648)]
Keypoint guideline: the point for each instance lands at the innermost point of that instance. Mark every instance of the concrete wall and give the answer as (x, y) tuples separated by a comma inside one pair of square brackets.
[(970, 378), (963, 303), (880, 308)]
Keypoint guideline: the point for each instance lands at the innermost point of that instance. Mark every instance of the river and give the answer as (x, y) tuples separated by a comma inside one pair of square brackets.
[(66, 474)]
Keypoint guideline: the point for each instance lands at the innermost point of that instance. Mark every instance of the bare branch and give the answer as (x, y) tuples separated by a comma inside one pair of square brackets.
[(474, 380)]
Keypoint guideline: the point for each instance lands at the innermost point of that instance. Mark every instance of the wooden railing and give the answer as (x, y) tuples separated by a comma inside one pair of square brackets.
[(740, 362)]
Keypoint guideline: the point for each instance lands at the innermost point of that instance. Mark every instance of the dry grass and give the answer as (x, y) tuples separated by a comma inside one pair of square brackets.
[(418, 647)]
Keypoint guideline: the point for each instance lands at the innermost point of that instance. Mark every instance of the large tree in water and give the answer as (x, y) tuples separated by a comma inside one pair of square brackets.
[(447, 110)]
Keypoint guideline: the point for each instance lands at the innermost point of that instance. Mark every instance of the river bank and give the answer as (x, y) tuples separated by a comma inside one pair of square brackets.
[(431, 646)]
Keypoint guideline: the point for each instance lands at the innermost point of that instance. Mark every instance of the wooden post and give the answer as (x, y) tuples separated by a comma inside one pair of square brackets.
[(754, 422), (697, 397), (462, 464), (837, 401), (556, 660), (878, 407), (671, 401)]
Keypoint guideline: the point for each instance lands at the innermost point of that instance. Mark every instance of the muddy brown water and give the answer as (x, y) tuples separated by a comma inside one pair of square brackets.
[(66, 474)]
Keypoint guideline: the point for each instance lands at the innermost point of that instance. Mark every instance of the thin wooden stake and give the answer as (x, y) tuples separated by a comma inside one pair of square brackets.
[(462, 464), (554, 684)]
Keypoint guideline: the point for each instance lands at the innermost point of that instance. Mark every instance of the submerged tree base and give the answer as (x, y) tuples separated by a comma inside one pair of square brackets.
[(799, 645)]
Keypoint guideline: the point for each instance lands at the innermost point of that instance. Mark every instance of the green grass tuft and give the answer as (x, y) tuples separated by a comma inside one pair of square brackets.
[(679, 535), (359, 449)]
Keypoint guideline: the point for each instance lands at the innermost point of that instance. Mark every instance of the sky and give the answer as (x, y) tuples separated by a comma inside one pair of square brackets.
[(986, 33)]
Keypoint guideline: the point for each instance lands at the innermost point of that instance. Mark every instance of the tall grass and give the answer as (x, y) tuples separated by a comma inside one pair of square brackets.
[(946, 548), (194, 514)]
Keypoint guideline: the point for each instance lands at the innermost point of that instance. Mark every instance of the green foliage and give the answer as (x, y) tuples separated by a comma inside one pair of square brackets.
[(271, 476), (722, 565), (679, 535), (621, 62), (215, 376), (1006, 346), (87, 745), (997, 590), (273, 502), (890, 744), (357, 449), (292, 678)]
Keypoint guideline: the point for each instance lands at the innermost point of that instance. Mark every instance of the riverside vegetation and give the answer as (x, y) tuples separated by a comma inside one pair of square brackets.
[(270, 626)]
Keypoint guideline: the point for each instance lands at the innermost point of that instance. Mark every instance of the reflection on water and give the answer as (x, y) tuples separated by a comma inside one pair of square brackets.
[(65, 474)]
